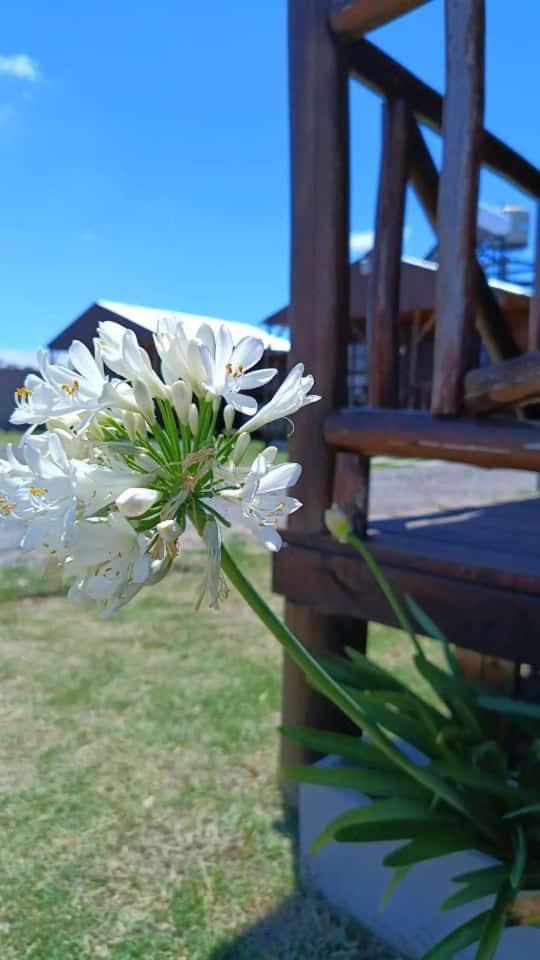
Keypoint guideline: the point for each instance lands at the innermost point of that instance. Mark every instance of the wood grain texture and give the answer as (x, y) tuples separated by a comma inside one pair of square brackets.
[(319, 310), (388, 77), (354, 18), (383, 290), (483, 617), (490, 319), (513, 383), (413, 433), (457, 204)]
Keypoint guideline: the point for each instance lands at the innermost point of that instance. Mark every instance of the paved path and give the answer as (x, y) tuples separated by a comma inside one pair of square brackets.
[(402, 490)]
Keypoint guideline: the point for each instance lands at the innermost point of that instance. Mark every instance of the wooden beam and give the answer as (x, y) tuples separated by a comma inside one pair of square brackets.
[(455, 305), (319, 310), (330, 577), (354, 18), (388, 77), (383, 291), (512, 383), (490, 319), (534, 308), (413, 433)]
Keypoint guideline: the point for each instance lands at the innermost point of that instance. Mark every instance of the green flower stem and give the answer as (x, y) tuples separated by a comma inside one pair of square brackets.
[(381, 580), (335, 692)]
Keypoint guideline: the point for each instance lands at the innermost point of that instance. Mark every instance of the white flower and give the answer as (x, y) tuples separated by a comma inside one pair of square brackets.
[(108, 561), (60, 390), (123, 355), (213, 582), (291, 396), (261, 502), (212, 364)]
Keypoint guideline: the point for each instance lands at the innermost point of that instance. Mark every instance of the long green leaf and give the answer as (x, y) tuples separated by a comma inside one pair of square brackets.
[(362, 674), (374, 783), (428, 848), (451, 692), (458, 939), (392, 830), (499, 871), (509, 707), (341, 744), (382, 811), (520, 859), (494, 924), (481, 886), (410, 730), (460, 772), (522, 811), (397, 877)]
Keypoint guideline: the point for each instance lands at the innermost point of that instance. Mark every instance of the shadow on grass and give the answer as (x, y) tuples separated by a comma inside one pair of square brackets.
[(302, 927)]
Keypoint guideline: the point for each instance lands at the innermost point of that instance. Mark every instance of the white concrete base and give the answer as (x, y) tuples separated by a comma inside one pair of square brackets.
[(350, 876)]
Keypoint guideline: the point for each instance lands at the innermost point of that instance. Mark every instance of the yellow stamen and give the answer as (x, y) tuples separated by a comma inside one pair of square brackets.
[(38, 491), (71, 388), (23, 392), (7, 509), (228, 367)]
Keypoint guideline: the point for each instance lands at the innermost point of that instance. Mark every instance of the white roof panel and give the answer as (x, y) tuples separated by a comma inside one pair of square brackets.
[(148, 317)]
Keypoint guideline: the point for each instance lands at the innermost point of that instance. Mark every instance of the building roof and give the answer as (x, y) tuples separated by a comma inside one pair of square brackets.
[(147, 318)]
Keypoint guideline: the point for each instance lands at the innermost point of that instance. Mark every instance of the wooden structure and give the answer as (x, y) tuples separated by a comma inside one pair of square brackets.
[(481, 581)]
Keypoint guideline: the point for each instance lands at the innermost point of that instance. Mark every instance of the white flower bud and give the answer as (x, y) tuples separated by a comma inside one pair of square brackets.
[(168, 530), (136, 500), (338, 523), (181, 399), (143, 399), (228, 417), (193, 418), (242, 444), (134, 423)]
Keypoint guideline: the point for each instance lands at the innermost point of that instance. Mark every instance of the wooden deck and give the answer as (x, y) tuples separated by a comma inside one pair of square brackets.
[(476, 571)]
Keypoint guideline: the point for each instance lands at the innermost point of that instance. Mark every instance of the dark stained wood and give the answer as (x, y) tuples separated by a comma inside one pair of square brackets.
[(490, 319), (457, 204), (534, 310), (383, 291), (388, 77), (351, 488), (319, 308), (413, 433), (473, 614), (350, 20), (512, 383)]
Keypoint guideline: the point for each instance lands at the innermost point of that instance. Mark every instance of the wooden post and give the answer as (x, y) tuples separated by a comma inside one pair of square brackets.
[(383, 296), (534, 309), (353, 18), (458, 195), (490, 319), (319, 314)]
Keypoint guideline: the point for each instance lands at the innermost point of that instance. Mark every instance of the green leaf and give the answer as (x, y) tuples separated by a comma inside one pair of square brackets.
[(522, 811), (381, 811), (458, 939), (396, 878), (509, 707), (341, 744), (432, 630), (362, 673), (451, 692), (519, 861), (472, 875), (494, 924), (486, 883), (460, 773), (430, 847), (374, 783), (410, 730), (392, 830)]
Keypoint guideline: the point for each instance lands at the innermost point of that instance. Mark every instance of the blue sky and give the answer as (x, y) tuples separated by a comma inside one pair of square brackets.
[(144, 151)]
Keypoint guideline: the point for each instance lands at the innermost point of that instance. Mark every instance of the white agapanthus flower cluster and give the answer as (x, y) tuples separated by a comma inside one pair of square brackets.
[(118, 458)]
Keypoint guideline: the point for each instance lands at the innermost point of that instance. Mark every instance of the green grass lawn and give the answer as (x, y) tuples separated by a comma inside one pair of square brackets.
[(138, 799)]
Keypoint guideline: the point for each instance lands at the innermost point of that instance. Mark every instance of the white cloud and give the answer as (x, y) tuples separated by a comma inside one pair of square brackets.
[(360, 241), (20, 66)]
